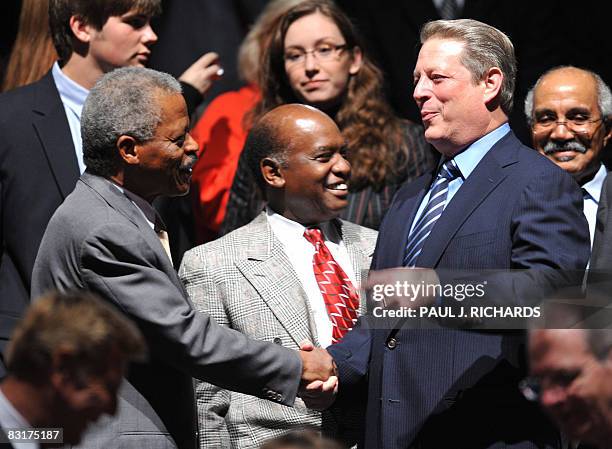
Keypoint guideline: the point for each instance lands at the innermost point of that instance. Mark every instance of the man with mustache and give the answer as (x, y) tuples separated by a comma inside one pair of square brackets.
[(568, 110), (106, 237)]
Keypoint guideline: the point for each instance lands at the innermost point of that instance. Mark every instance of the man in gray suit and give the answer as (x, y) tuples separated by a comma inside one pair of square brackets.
[(259, 279), (107, 238)]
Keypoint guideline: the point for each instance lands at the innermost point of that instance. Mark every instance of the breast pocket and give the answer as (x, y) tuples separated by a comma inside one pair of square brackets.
[(474, 240)]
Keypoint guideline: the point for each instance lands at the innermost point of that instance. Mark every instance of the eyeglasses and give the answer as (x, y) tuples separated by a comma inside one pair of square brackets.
[(533, 387), (322, 53), (577, 124)]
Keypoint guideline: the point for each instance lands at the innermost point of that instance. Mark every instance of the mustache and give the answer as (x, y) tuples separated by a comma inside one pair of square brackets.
[(190, 161), (570, 145)]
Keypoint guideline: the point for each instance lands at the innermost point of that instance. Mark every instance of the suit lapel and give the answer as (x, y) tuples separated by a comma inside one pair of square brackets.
[(53, 132), (118, 201), (393, 241), (360, 252), (270, 272), (487, 175), (601, 224)]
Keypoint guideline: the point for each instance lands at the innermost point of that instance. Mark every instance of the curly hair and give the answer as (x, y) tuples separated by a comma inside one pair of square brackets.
[(376, 148)]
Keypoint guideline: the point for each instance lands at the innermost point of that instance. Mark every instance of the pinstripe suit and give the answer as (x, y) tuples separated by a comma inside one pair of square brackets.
[(438, 388), (244, 280)]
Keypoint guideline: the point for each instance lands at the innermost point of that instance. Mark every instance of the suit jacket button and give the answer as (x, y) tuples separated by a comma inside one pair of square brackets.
[(391, 343), (278, 341)]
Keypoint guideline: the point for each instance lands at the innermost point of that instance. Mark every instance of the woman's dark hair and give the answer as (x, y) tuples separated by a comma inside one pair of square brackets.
[(373, 133)]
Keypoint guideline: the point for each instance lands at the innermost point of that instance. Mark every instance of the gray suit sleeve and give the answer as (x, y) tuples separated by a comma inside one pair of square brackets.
[(118, 263), (212, 402)]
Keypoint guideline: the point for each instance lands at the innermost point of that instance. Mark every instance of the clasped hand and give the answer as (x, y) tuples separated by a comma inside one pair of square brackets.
[(319, 384)]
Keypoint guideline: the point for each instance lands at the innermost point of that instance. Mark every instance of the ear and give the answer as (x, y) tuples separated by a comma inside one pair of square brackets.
[(272, 174), (81, 30), (128, 149), (492, 83), (357, 60)]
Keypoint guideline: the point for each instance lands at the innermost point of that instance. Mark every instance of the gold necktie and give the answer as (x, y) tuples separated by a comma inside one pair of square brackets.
[(165, 241)]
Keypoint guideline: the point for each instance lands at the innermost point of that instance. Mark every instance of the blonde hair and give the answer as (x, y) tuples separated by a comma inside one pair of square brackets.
[(252, 48)]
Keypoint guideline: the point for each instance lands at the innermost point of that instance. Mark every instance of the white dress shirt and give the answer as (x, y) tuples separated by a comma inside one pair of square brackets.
[(73, 97), (591, 199), (300, 252), (10, 418)]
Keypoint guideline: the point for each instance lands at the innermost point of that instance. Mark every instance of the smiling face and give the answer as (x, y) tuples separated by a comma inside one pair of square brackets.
[(165, 162), (575, 387), (453, 107), (123, 41), (310, 186), (569, 94), (322, 80)]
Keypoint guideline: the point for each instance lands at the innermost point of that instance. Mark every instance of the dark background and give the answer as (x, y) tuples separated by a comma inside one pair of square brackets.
[(546, 33)]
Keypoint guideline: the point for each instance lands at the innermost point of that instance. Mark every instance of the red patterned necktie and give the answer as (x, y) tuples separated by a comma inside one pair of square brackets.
[(339, 294)]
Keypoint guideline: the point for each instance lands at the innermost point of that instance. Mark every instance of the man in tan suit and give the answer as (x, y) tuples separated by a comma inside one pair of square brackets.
[(265, 279)]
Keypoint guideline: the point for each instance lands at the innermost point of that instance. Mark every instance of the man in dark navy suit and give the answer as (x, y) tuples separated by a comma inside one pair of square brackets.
[(490, 204)]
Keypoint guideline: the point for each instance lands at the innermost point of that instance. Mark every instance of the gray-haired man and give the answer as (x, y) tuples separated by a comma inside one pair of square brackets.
[(107, 238), (568, 110)]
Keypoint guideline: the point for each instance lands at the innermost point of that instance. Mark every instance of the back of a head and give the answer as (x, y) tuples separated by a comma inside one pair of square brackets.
[(77, 322), (123, 102), (485, 47)]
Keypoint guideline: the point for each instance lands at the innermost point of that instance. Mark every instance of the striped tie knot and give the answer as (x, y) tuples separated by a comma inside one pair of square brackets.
[(436, 203), (449, 171)]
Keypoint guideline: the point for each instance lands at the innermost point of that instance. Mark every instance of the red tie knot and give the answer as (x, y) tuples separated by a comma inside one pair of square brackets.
[(314, 236)]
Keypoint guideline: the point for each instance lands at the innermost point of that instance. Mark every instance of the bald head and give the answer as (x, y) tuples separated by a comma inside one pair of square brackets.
[(276, 132), (568, 110), (569, 76), (297, 154)]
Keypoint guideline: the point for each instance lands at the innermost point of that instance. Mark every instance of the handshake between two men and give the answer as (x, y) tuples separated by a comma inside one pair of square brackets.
[(319, 384)]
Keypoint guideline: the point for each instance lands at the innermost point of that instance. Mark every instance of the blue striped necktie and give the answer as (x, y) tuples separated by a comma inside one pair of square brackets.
[(433, 210)]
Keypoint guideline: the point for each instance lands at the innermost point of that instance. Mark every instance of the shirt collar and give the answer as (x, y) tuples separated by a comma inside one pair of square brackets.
[(9, 416), (71, 92), (593, 187), (149, 212), (469, 158), (296, 230)]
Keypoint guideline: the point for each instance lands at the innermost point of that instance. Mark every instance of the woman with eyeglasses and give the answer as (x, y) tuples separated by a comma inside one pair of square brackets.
[(316, 58)]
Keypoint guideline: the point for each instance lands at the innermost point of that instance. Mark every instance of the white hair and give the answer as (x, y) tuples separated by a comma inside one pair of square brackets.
[(604, 96)]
